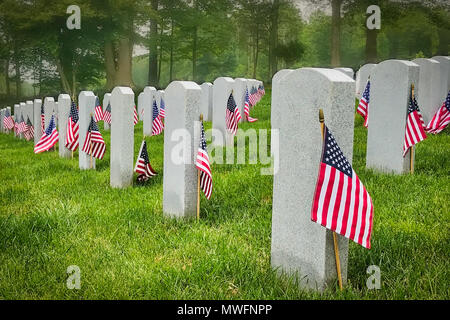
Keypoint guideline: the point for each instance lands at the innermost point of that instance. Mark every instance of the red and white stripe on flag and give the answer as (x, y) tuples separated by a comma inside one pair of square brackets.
[(48, 139), (203, 165), (136, 118), (414, 131), (341, 202), (441, 119), (98, 113), (72, 135)]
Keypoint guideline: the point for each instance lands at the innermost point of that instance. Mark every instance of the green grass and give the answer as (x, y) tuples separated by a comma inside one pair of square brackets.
[(52, 215)]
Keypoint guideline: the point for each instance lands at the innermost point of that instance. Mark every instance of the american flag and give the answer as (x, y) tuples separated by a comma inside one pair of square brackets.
[(441, 119), (253, 96), (42, 119), (233, 116), (16, 124), (29, 130), (73, 127), (143, 166), (247, 108), (341, 202), (22, 125), (157, 125), (98, 110), (8, 121), (363, 107), (414, 131), (202, 164), (162, 109), (107, 114), (262, 90), (49, 138), (94, 144), (136, 119)]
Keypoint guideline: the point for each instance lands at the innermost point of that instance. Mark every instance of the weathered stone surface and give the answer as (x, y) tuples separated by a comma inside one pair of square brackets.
[(49, 109), (181, 140), (361, 78), (298, 244), (222, 90), (64, 103), (347, 71), (2, 115), (106, 100), (86, 101), (149, 96), (37, 103), (445, 75), (239, 87), (122, 137), (29, 112), (22, 113), (390, 82), (429, 87), (158, 96), (206, 103)]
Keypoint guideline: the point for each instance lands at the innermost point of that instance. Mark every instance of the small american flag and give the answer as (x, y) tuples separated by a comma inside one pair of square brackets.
[(262, 90), (73, 129), (136, 119), (253, 96), (162, 109), (202, 164), (157, 125), (95, 141), (42, 119), (22, 125), (414, 131), (29, 130), (8, 121), (363, 107), (107, 114), (143, 166), (341, 202), (233, 116), (247, 108), (441, 119), (49, 138), (16, 124), (98, 110)]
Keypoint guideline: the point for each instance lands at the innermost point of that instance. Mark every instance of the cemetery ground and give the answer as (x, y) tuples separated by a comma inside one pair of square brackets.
[(52, 215)]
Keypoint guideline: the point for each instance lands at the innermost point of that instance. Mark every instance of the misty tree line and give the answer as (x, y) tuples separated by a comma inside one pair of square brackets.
[(200, 40)]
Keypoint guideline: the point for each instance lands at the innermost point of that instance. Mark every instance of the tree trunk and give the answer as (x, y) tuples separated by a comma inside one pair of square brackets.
[(110, 65), (194, 54), (160, 54), (371, 46), (274, 39), (8, 87), (17, 68), (171, 52), (123, 75), (63, 77), (335, 33), (153, 49)]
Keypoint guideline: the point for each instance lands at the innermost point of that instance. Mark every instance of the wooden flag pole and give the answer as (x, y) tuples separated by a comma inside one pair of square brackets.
[(198, 182), (335, 241), (411, 159)]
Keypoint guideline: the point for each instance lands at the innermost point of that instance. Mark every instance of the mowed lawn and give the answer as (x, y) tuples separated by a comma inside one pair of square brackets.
[(52, 215)]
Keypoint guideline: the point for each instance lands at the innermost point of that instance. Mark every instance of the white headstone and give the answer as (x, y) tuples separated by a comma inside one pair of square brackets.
[(86, 101), (2, 115), (140, 105), (149, 96), (29, 112), (348, 71), (181, 140), (390, 86), (222, 90), (429, 87), (445, 75), (106, 100), (158, 96), (239, 87), (64, 104), (300, 246), (361, 78), (37, 103), (22, 113), (206, 103), (122, 137), (49, 109)]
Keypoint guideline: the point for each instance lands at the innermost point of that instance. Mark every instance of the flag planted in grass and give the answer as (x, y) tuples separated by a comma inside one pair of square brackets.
[(162, 109), (157, 124), (94, 144), (22, 125), (143, 167), (253, 96), (107, 114), (29, 130), (8, 121), (72, 129), (441, 119), (42, 119), (247, 108), (203, 165), (136, 119), (49, 138), (414, 131), (98, 110), (233, 116), (341, 202), (363, 107)]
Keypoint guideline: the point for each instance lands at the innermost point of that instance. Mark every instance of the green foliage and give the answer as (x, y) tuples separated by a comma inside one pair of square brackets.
[(52, 215)]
